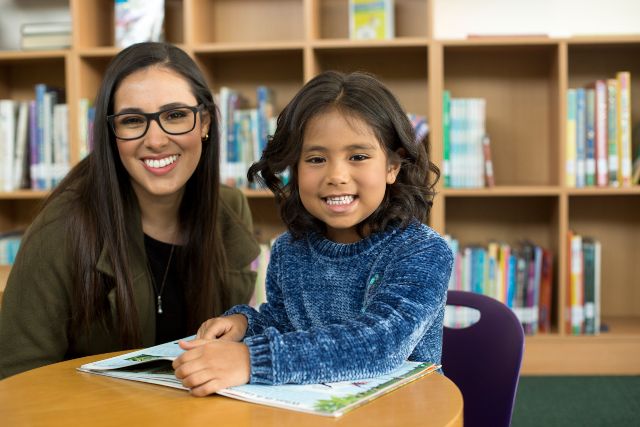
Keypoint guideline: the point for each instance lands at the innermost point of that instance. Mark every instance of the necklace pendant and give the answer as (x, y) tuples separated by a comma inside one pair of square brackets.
[(159, 304)]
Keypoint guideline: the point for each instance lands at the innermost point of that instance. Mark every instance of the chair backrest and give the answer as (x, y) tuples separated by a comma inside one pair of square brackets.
[(484, 359)]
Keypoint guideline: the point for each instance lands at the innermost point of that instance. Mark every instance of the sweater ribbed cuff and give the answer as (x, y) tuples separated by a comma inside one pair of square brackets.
[(261, 361)]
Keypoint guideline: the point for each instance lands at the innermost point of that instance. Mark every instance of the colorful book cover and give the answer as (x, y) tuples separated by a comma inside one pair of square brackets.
[(371, 19), (333, 399), (571, 147)]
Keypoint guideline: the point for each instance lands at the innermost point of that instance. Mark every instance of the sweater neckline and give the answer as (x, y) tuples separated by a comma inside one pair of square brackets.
[(329, 248)]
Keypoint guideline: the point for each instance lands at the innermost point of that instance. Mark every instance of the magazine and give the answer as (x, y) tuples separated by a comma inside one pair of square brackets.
[(153, 365)]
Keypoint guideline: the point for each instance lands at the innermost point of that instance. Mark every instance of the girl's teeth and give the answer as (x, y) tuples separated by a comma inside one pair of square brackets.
[(342, 200)]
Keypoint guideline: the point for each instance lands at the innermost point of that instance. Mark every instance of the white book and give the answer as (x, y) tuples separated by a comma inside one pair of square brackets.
[(60, 142), (21, 145), (332, 399), (7, 143)]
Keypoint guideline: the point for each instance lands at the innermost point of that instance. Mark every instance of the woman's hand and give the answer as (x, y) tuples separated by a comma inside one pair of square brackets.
[(208, 366), (230, 328)]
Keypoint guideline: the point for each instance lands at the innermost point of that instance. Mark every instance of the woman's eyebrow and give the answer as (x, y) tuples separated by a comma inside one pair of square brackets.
[(136, 110)]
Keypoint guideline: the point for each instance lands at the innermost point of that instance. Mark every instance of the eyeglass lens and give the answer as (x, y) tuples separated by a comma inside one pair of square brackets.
[(175, 121)]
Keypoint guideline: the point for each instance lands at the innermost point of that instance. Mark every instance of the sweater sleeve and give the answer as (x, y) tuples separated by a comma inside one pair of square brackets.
[(397, 312)]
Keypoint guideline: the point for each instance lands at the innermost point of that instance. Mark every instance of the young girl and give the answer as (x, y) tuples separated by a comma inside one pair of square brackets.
[(357, 285), (139, 244)]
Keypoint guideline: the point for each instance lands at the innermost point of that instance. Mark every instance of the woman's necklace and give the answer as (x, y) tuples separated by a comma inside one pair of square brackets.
[(164, 281)]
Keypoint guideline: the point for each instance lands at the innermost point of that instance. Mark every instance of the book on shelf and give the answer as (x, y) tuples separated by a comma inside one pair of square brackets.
[(581, 136), (371, 19), (600, 132), (45, 35), (571, 149), (624, 127), (138, 21), (598, 147), (334, 399), (489, 179), (590, 143), (9, 245), (612, 131), (463, 138), (519, 276), (584, 282), (446, 142)]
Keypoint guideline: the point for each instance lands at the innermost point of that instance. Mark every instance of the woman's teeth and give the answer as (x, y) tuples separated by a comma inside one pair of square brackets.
[(161, 163)]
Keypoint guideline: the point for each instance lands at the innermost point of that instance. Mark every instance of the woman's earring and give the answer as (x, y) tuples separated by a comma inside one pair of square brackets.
[(206, 137)]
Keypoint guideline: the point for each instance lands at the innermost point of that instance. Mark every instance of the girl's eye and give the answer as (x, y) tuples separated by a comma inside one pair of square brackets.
[(314, 160), (359, 157)]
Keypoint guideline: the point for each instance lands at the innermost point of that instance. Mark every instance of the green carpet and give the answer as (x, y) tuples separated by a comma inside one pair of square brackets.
[(577, 401)]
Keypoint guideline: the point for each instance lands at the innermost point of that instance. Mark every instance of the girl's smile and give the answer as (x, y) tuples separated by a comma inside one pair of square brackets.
[(343, 173)]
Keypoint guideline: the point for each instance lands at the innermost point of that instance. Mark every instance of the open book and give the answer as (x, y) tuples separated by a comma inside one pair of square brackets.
[(153, 365)]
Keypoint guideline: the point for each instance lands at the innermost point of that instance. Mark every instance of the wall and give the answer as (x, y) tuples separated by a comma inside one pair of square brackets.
[(556, 18)]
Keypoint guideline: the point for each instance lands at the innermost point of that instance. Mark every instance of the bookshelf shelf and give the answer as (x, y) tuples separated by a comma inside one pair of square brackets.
[(505, 191), (284, 43), (24, 194)]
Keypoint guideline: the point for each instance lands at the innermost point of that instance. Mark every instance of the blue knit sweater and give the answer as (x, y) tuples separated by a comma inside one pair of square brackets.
[(345, 311)]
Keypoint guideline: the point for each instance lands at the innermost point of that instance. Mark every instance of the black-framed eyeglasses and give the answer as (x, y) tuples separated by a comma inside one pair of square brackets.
[(174, 121)]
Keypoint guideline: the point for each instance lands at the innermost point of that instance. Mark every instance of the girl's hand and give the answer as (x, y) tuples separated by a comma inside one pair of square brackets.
[(209, 366), (230, 328)]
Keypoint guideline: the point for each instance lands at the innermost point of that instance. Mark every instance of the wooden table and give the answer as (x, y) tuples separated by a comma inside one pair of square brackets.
[(58, 395)]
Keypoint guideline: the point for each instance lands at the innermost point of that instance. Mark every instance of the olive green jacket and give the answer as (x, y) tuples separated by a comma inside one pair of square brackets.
[(36, 306)]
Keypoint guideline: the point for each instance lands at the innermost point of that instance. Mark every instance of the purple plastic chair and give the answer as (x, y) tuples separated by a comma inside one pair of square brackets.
[(484, 359)]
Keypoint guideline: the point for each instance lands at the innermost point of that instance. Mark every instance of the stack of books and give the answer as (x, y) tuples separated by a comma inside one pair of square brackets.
[(599, 146), (45, 35)]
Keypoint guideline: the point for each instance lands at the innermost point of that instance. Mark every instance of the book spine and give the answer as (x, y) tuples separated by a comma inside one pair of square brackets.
[(624, 127), (581, 136), (602, 171), (612, 131), (446, 141), (7, 143), (577, 285), (571, 147), (544, 309), (33, 144), (590, 147), (588, 254)]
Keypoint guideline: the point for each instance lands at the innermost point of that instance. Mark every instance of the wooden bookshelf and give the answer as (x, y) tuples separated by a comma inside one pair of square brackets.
[(283, 43)]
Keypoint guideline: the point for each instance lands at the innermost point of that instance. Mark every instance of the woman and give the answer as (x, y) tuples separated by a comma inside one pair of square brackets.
[(139, 244)]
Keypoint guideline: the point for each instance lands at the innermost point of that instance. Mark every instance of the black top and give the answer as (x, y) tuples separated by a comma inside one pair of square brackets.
[(172, 323)]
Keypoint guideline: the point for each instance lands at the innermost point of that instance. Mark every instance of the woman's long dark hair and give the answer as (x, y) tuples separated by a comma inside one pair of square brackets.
[(101, 199), (357, 95)]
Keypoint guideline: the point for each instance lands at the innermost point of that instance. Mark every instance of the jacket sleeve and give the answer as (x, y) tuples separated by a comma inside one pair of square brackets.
[(236, 228), (36, 304), (406, 303)]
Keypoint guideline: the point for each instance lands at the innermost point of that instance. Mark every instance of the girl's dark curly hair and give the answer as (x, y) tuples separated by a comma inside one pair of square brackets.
[(359, 95)]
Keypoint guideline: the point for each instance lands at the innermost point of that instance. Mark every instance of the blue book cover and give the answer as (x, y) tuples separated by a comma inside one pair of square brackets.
[(590, 138)]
